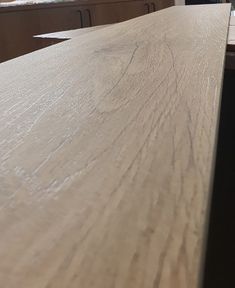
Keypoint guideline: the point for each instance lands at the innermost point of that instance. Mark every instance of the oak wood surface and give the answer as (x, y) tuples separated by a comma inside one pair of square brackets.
[(107, 145)]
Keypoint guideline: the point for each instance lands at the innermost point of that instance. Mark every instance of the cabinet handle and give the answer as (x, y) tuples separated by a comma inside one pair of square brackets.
[(153, 6), (80, 13), (89, 15), (148, 7)]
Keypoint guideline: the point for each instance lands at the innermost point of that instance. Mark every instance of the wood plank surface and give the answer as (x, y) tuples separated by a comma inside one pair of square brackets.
[(107, 146)]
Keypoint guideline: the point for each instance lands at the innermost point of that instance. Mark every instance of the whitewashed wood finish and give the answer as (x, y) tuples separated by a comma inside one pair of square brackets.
[(106, 145)]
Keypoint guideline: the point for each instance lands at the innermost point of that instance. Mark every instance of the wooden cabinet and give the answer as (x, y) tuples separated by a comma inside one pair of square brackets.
[(107, 13), (19, 24), (162, 4), (155, 5), (117, 12), (17, 28), (151, 6), (58, 19)]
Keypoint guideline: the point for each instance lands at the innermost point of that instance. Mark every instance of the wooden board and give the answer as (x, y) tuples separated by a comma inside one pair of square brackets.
[(70, 33), (107, 146)]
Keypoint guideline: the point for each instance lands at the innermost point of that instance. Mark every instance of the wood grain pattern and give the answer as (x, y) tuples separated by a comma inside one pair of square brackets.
[(107, 144)]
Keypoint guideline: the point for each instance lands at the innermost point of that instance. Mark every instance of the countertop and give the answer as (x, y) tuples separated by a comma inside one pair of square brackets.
[(30, 2), (35, 4)]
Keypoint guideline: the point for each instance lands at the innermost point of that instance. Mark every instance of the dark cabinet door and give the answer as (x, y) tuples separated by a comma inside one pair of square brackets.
[(155, 5), (162, 4), (16, 31), (59, 19), (18, 28), (117, 12), (87, 13), (147, 8)]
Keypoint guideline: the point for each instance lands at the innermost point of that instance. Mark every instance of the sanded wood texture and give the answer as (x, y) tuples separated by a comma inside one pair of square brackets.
[(107, 146)]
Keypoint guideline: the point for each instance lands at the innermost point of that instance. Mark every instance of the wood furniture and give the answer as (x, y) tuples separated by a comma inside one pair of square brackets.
[(18, 24), (107, 147)]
